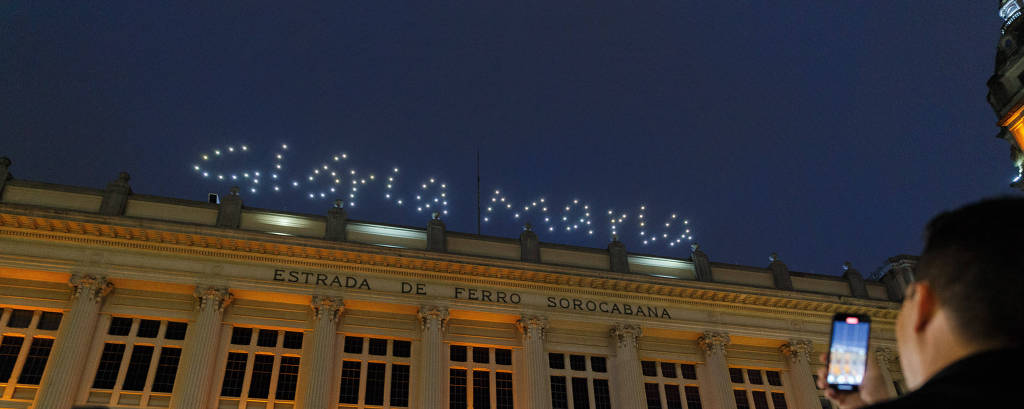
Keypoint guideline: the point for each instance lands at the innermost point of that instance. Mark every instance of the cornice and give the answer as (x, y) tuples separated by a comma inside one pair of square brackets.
[(251, 247)]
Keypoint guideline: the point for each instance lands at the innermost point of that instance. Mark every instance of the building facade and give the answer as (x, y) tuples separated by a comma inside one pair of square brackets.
[(1007, 83), (132, 301)]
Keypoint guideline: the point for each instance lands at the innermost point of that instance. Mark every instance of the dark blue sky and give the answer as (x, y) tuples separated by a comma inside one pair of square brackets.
[(824, 131)]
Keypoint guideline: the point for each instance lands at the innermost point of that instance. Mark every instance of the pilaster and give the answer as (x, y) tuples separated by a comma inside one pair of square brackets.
[(626, 371), (536, 381), (433, 320), (798, 353), (884, 356), (196, 367), (316, 388), (718, 392)]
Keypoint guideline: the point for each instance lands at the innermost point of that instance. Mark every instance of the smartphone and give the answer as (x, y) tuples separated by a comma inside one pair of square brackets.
[(848, 351)]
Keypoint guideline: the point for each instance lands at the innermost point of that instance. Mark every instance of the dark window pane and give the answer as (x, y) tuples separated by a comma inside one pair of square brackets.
[(773, 378), (175, 330), (35, 364), (741, 398), (259, 383), (503, 390), (241, 336), (578, 362), (49, 320), (503, 356), (779, 400), (20, 318), (353, 345), (598, 364), (166, 369), (559, 396), (754, 376), (457, 388), (293, 340), (138, 368), (234, 374), (825, 403), (668, 369), (653, 397), (580, 393), (287, 378), (760, 400), (350, 373), (602, 398), (649, 368), (481, 355), (378, 347), (9, 349), (266, 338), (736, 374), (688, 371), (458, 353), (401, 349), (672, 398), (556, 361), (375, 373), (399, 385), (120, 326), (481, 388), (693, 397), (110, 365), (148, 329)]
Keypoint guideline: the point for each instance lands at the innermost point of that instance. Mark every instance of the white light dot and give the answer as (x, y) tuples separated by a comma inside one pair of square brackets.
[(284, 146)]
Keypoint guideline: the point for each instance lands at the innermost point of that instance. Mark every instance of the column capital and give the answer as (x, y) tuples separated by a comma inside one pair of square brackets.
[(89, 287), (627, 335), (216, 298), (714, 342), (885, 355), (433, 317), (798, 350), (532, 326), (326, 307)]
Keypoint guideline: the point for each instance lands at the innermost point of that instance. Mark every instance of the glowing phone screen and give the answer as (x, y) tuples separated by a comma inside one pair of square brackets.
[(848, 354)]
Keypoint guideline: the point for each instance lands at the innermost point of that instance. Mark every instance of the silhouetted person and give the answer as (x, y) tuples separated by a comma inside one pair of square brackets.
[(961, 327)]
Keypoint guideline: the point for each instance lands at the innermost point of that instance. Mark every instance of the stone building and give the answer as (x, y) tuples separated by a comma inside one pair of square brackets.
[(1007, 83), (131, 301)]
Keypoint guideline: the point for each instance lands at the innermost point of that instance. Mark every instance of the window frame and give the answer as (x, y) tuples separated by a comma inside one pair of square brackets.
[(12, 386), (589, 374), (278, 351), (749, 388), (365, 359), (491, 367), (679, 381)]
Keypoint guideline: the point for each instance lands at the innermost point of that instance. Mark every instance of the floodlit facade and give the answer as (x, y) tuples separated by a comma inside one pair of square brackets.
[(1006, 86), (133, 301)]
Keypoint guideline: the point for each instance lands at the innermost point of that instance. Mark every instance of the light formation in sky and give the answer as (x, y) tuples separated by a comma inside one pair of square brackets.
[(335, 178)]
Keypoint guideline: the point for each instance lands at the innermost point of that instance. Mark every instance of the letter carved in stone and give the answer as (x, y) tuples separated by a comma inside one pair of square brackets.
[(532, 327), (89, 287), (325, 307), (714, 342), (216, 298), (798, 350), (627, 335), (433, 317)]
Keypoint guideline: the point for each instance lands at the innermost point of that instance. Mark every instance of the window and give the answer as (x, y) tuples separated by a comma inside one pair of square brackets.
[(741, 399), (736, 375), (457, 353), (371, 377), (779, 401), (754, 376), (262, 371), (773, 378), (489, 378), (292, 340), (138, 362), (577, 386), (760, 400), (753, 393), (669, 385), (25, 345)]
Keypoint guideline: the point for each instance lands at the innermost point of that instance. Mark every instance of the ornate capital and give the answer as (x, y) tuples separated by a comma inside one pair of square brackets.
[(433, 317), (714, 342), (89, 287), (627, 335), (798, 350), (532, 327), (216, 298), (885, 356), (325, 307)]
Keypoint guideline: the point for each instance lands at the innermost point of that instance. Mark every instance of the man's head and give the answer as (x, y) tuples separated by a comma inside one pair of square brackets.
[(968, 293)]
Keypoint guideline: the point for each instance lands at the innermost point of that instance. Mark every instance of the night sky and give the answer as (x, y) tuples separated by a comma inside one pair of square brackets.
[(825, 131)]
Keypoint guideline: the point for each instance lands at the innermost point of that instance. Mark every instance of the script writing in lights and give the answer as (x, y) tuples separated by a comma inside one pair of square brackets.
[(1009, 12)]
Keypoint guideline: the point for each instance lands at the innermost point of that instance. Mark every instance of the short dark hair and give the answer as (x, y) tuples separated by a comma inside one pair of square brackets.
[(974, 261)]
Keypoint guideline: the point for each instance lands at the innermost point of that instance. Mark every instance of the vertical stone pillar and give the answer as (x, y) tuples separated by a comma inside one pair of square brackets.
[(229, 212), (432, 376), (317, 388), (115, 198), (629, 380), (857, 287), (884, 356), (717, 389), (196, 368), (805, 393), (537, 382), (701, 263), (529, 245), (436, 232), (63, 374), (780, 273), (337, 219), (618, 259)]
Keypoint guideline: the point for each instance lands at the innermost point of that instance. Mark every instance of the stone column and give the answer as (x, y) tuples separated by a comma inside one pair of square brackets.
[(884, 356), (717, 389), (537, 382), (196, 368), (629, 380), (805, 392), (433, 375), (61, 381), (317, 388)]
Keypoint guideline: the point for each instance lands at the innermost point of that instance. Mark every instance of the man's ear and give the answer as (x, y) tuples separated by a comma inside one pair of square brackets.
[(926, 305)]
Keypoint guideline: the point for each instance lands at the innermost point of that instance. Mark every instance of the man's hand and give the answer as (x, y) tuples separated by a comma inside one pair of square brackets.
[(872, 390)]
